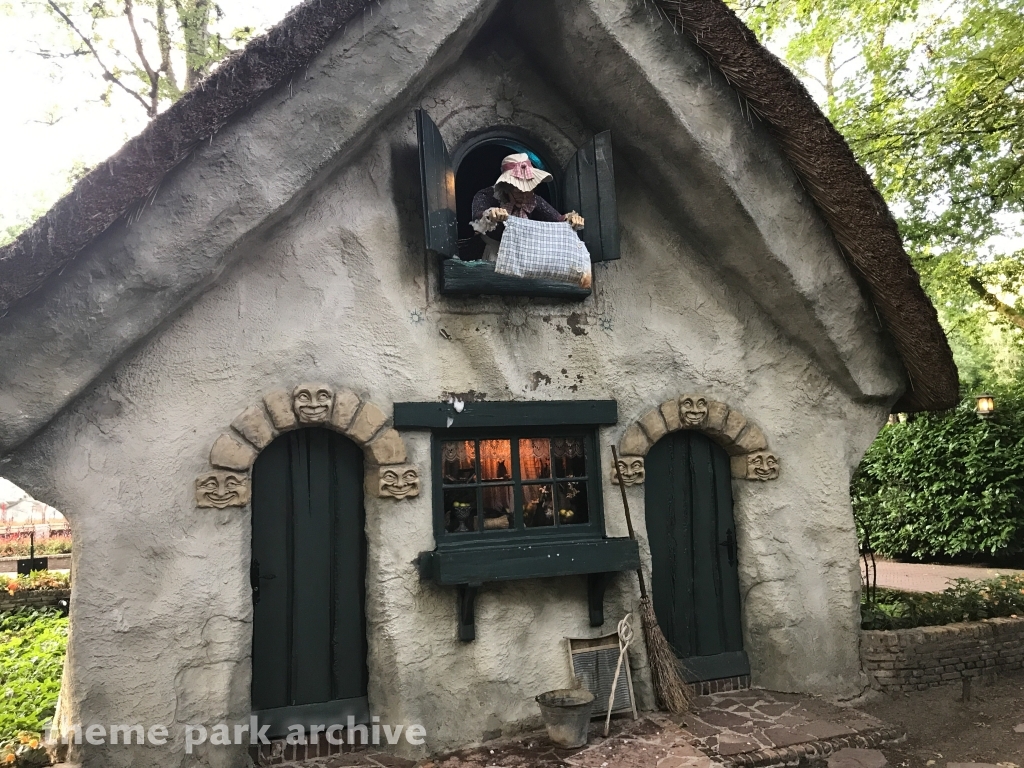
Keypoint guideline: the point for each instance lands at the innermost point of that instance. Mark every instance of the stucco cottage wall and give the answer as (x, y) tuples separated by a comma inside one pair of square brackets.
[(341, 291)]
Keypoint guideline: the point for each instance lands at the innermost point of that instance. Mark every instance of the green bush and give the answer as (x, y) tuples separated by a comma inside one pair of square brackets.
[(32, 647), (965, 600), (946, 484)]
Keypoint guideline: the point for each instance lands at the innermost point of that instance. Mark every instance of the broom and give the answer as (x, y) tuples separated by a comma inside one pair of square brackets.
[(672, 692)]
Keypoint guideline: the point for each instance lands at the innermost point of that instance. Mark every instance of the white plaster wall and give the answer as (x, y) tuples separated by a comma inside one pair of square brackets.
[(342, 292)]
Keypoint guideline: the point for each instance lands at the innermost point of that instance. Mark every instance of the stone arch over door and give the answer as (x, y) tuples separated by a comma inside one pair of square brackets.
[(228, 481), (749, 455)]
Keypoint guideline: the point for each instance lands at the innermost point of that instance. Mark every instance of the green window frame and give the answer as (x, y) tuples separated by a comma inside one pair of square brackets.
[(523, 492)]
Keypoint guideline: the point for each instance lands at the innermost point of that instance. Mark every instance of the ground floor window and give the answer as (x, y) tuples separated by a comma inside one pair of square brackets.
[(516, 483)]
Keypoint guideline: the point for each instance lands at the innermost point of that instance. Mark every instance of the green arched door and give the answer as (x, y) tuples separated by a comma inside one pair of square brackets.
[(694, 580), (308, 573)]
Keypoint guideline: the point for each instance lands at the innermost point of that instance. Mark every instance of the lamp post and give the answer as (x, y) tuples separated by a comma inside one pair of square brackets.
[(986, 406)]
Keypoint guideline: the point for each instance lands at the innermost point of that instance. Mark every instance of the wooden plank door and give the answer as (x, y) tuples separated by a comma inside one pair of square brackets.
[(694, 580), (308, 571)]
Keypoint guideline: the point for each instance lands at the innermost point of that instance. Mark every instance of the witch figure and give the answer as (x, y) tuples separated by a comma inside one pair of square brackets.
[(513, 195)]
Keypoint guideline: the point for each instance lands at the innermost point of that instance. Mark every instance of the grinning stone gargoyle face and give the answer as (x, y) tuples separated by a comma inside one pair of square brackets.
[(762, 466), (399, 482), (312, 403), (693, 410), (632, 469), (218, 490)]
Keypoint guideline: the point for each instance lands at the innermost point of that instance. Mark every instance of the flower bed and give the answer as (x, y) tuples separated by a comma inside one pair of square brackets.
[(965, 600), (32, 647), (41, 588), (20, 544)]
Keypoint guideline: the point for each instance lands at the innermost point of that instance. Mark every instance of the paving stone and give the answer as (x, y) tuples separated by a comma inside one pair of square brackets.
[(791, 720), (1018, 728), (735, 744), (774, 710), (724, 719), (857, 758), (786, 737), (819, 729)]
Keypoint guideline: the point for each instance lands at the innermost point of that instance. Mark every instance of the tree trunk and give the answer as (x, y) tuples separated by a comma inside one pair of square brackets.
[(1009, 313), (194, 16)]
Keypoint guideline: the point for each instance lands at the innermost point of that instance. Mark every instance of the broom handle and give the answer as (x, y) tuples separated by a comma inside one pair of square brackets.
[(629, 519)]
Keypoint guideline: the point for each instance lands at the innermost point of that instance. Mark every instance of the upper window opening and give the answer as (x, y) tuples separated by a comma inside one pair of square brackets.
[(499, 171)]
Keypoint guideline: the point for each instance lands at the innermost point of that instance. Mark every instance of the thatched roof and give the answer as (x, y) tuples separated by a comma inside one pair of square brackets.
[(844, 193)]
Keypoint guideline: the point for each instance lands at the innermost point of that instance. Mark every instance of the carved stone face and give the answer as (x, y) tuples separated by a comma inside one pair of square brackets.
[(632, 469), (762, 466), (399, 482), (693, 411), (312, 403), (218, 490)]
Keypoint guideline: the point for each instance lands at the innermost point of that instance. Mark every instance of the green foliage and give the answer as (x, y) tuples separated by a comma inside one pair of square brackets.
[(35, 581), (965, 600), (32, 647), (931, 100), (945, 484)]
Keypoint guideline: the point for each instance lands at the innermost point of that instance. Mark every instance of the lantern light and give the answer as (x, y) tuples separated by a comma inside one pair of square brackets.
[(986, 405)]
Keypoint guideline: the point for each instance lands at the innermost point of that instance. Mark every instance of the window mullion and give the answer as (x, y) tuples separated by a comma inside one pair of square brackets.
[(479, 489), (517, 488)]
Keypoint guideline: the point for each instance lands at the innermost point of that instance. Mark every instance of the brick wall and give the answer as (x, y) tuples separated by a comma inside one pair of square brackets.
[(35, 598), (912, 659)]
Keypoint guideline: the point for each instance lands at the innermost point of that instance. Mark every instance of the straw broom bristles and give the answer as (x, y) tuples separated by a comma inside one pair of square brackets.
[(672, 692)]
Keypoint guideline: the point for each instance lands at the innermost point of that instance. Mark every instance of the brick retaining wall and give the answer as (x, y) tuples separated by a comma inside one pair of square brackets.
[(913, 659), (34, 598)]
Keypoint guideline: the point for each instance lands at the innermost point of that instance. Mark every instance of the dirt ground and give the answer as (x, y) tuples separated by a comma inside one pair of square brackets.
[(942, 728)]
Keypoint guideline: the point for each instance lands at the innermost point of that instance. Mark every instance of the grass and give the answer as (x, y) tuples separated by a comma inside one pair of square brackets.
[(32, 647), (964, 600)]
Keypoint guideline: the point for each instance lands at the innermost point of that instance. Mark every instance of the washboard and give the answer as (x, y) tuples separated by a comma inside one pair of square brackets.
[(593, 663)]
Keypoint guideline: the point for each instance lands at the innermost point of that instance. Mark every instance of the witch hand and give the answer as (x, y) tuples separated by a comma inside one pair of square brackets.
[(497, 215), (575, 220)]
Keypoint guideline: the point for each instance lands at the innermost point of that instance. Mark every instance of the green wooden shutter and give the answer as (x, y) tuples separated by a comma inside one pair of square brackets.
[(590, 191), (437, 180)]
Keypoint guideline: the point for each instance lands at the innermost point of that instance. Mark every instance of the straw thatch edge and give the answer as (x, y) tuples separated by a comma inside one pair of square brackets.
[(844, 193)]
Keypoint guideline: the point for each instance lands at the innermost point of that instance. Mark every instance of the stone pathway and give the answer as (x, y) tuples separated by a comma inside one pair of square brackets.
[(760, 728), (738, 729), (922, 577)]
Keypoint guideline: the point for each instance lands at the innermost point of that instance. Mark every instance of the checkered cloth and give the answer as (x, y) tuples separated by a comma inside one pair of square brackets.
[(543, 249)]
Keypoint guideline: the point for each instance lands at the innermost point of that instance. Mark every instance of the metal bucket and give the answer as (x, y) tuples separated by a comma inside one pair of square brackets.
[(566, 714)]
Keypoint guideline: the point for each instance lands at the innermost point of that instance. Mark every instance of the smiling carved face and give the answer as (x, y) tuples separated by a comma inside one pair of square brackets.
[(312, 403), (632, 469), (218, 490), (399, 482), (762, 466), (693, 411)]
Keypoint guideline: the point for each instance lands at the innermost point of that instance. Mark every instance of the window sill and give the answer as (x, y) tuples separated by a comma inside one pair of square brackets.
[(470, 565), (478, 278)]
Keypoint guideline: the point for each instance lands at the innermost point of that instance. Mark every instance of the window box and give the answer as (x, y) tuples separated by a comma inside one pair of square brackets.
[(517, 495), (476, 278)]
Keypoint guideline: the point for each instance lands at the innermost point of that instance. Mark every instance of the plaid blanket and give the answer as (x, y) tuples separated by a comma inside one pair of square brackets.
[(543, 249)]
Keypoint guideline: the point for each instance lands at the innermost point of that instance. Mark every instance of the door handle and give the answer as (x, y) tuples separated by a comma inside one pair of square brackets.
[(730, 546), (254, 580)]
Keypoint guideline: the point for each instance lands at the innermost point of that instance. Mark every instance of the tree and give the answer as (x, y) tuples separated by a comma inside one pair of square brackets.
[(931, 100), (135, 44)]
